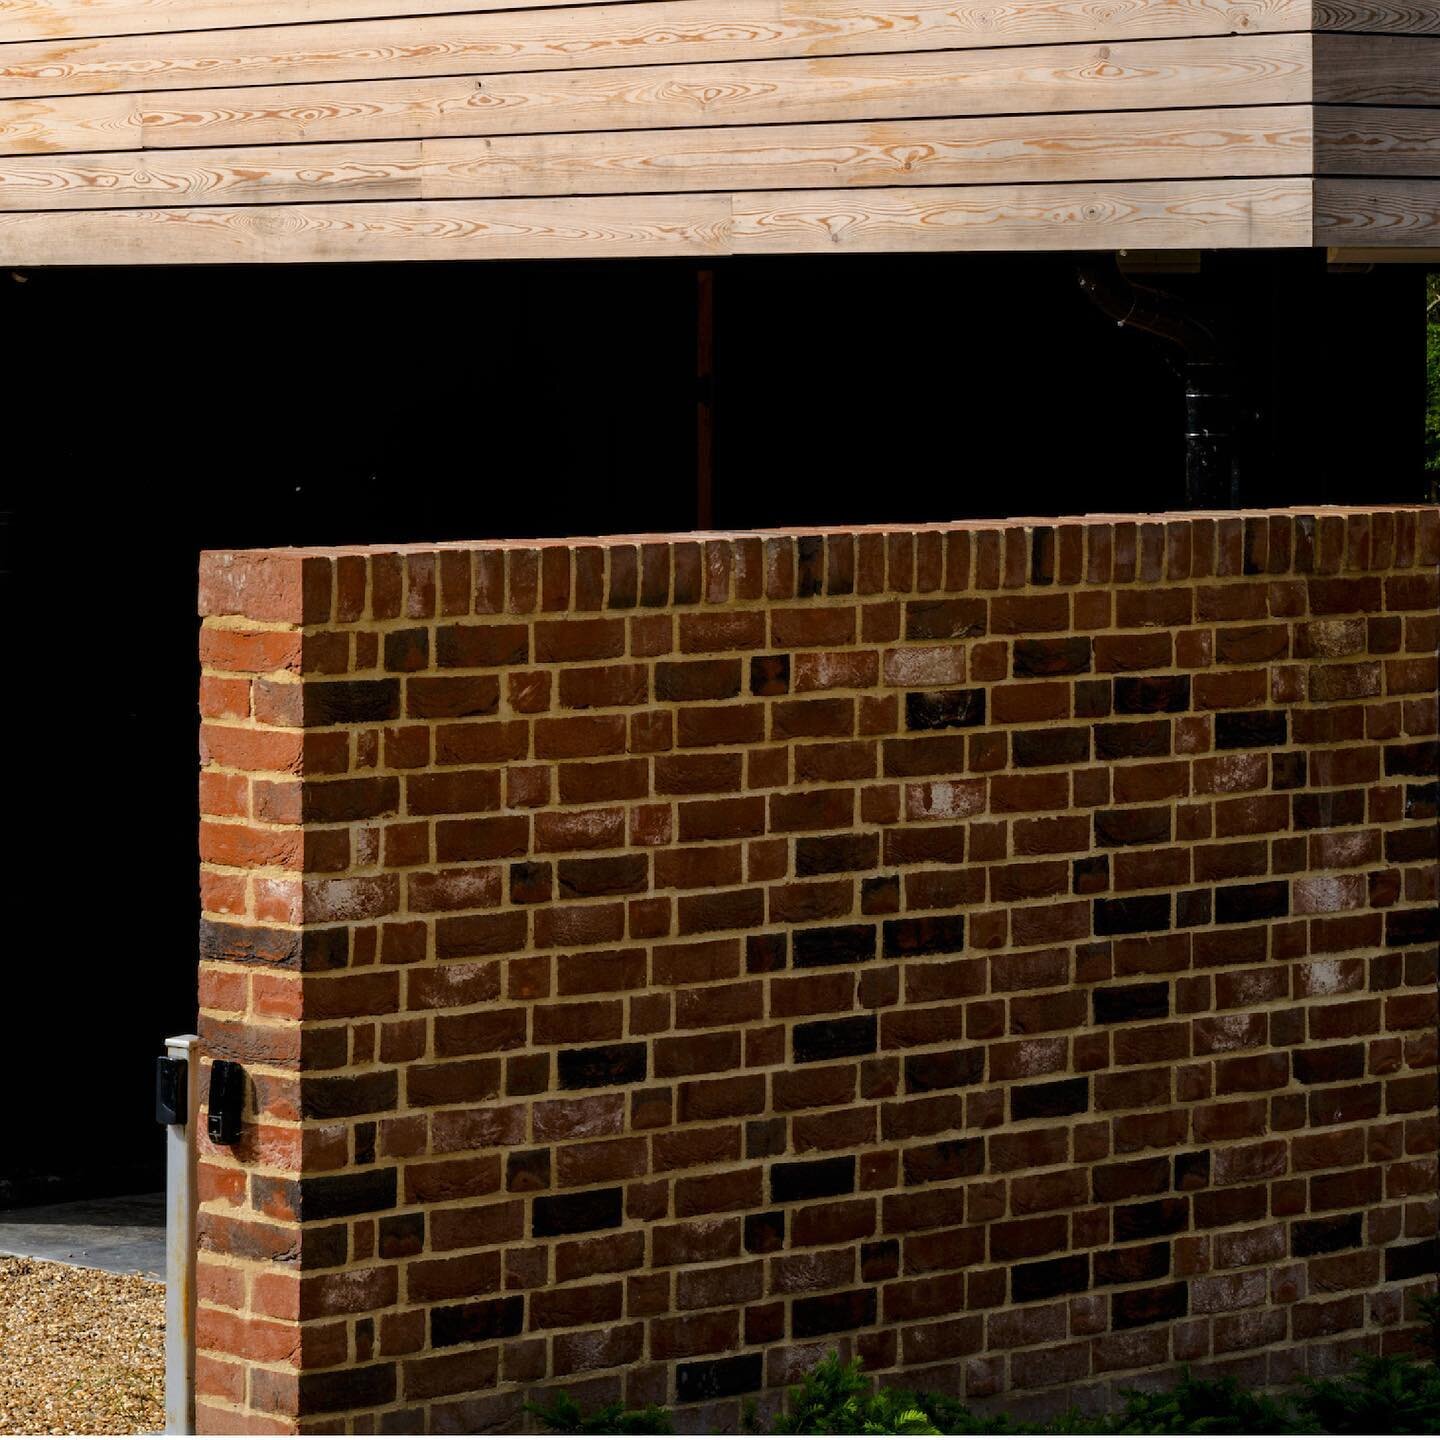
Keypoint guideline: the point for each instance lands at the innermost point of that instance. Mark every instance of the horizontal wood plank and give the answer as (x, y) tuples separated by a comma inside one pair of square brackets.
[(22, 20), (1244, 70), (651, 31), (1143, 215), (1396, 17), (1377, 70), (1373, 140), (1002, 22), (1381, 214), (1013, 149)]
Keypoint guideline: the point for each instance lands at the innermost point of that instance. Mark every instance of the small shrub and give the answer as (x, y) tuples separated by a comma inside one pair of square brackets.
[(562, 1416), (1202, 1407), (1383, 1394)]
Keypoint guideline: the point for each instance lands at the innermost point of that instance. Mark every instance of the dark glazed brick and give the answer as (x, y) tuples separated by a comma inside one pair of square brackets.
[(574, 1214), (834, 1039), (1192, 1170), (1329, 1065), (602, 1065), (812, 1179), (607, 875), (1054, 1097), (1323, 1237), (879, 1260), (1419, 759), (1327, 810), (1422, 802), (765, 1232), (1132, 915), (350, 702), (925, 935), (1235, 904), (834, 945), (829, 1314), (1149, 826), (713, 1379), (1132, 1308), (1069, 746), (680, 680), (944, 709), (765, 953), (944, 1160), (1137, 740), (944, 1069), (527, 1170), (1192, 908), (1250, 729), (835, 854), (407, 649), (252, 945), (944, 619), (1119, 1003), (1069, 655), (401, 1236), (1041, 1279), (1151, 694), (1412, 927), (1287, 770), (1092, 699), (321, 1391), (1139, 1262), (1149, 1218), (479, 1320), (328, 1197), (764, 1138), (769, 674), (340, 1096), (1411, 1262)]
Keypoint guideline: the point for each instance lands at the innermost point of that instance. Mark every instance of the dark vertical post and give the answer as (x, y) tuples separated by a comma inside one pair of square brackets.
[(705, 397)]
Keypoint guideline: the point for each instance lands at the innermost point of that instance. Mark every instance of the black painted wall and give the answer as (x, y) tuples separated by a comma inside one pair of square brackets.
[(151, 413)]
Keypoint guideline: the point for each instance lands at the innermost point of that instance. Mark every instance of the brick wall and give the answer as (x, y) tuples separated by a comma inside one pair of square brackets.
[(1005, 951)]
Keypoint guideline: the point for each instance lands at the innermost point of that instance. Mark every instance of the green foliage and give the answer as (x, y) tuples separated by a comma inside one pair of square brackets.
[(562, 1416), (1383, 1394), (1203, 1407), (836, 1399), (1430, 1320), (1432, 368)]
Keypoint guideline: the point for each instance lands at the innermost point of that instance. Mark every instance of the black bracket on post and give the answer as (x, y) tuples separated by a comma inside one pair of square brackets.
[(171, 1087), (227, 1100)]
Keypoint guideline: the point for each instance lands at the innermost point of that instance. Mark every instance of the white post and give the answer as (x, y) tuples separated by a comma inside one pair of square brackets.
[(180, 1246)]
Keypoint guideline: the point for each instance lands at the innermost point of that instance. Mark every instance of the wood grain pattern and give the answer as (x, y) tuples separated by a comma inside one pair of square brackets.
[(1000, 22), (1373, 140), (1397, 17), (22, 20), (1155, 75), (1145, 215), (1390, 214), (1024, 149), (651, 31), (1377, 70)]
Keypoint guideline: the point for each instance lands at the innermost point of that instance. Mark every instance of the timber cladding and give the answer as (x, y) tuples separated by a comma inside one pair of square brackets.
[(161, 131), (1005, 951)]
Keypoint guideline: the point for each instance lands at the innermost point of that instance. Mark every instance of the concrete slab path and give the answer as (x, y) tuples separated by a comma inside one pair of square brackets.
[(124, 1234)]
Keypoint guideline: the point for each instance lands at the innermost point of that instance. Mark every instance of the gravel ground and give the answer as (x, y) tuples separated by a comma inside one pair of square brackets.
[(81, 1352)]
